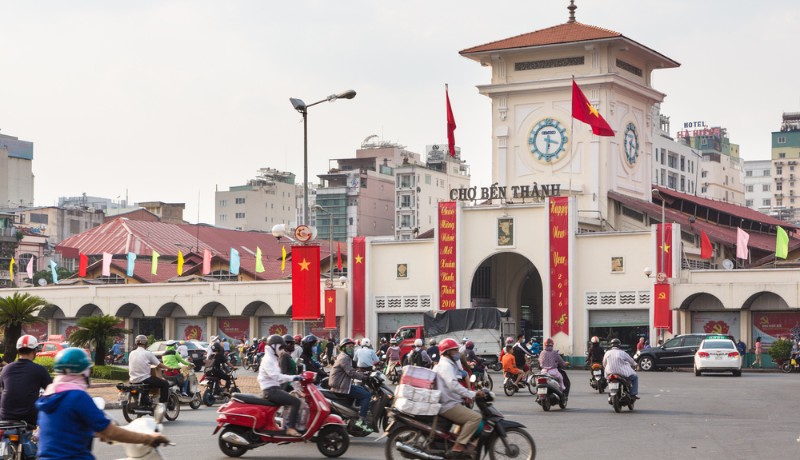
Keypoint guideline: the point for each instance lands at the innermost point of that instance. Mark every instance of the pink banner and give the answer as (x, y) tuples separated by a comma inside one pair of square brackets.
[(233, 328), (559, 265), (447, 255)]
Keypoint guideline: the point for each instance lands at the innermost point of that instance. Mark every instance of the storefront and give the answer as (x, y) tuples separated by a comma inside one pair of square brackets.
[(389, 323), (625, 325)]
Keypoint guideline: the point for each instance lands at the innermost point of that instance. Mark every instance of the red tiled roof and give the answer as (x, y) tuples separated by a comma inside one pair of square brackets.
[(562, 33)]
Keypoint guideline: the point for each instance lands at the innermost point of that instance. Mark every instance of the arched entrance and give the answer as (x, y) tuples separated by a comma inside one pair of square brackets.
[(509, 280)]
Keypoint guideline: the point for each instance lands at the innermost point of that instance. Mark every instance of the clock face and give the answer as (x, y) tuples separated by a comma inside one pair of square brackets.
[(547, 140), (631, 141)]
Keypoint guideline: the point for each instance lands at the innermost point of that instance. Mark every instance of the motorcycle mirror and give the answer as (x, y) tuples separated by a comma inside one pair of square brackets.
[(158, 413), (99, 402), (472, 378)]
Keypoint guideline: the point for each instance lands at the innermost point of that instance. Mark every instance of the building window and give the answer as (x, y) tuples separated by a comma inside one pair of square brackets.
[(704, 174), (748, 173), (405, 180), (778, 202), (781, 140), (240, 215), (781, 155), (240, 201), (428, 179), (683, 164), (779, 171), (779, 186), (765, 188), (767, 173), (223, 203), (766, 202), (38, 218), (223, 217), (74, 226), (748, 203)]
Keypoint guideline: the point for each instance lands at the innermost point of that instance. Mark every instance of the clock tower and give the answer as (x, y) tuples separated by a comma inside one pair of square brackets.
[(534, 138)]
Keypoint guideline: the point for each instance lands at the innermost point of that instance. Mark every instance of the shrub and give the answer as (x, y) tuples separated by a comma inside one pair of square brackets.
[(45, 361), (780, 350), (110, 373)]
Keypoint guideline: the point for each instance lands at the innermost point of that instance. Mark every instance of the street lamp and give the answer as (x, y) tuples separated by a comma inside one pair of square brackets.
[(317, 207), (659, 275), (302, 107)]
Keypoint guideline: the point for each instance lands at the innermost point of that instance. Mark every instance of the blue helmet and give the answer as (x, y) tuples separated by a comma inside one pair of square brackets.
[(72, 360)]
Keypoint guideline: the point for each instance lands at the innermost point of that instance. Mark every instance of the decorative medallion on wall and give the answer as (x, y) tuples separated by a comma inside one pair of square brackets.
[(631, 141), (548, 139)]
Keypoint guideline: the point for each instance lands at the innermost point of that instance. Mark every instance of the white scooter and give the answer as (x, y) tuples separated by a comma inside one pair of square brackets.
[(145, 424)]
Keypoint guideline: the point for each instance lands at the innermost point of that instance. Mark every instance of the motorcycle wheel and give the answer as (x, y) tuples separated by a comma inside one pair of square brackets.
[(208, 397), (787, 367), (173, 407), (531, 387), (600, 388), (333, 441), (630, 406), (616, 404), (232, 450), (129, 416), (520, 445), (509, 388), (488, 378), (406, 435), (196, 401), (546, 403), (562, 403)]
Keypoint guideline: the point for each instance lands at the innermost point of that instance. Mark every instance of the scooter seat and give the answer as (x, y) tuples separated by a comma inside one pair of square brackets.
[(337, 396), (253, 399)]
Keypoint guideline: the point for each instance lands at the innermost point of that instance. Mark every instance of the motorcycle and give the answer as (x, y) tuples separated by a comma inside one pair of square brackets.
[(496, 365), (138, 399), (212, 391), (482, 375), (432, 437), (791, 364), (248, 422), (619, 392), (345, 406), (194, 399), (16, 440), (251, 360), (141, 425), (509, 387), (597, 380), (548, 392)]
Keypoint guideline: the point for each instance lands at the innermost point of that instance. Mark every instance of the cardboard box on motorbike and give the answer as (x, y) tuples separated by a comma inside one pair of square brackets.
[(416, 394)]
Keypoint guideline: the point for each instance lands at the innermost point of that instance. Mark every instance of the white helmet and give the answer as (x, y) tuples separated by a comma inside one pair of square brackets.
[(366, 343), (27, 341), (595, 339), (418, 343)]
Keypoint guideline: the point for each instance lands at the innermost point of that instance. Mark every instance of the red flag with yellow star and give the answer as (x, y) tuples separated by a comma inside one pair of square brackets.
[(330, 308), (305, 282), (359, 297), (584, 111), (664, 250)]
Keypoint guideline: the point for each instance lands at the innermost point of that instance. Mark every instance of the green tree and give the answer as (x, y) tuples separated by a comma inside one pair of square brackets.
[(47, 275), (99, 331), (15, 311)]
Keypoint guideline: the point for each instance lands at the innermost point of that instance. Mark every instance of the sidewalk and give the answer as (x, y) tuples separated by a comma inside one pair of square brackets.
[(109, 392)]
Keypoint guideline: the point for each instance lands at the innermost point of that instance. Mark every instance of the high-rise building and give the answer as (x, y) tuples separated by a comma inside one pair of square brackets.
[(263, 202), (785, 166), (758, 189), (16, 159), (675, 165), (721, 170)]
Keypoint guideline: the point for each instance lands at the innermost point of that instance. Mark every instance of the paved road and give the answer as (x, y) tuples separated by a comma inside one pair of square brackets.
[(679, 416)]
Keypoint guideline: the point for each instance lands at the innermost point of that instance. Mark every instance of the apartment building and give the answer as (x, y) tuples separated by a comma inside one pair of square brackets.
[(675, 165), (260, 204), (721, 169), (786, 166), (16, 161)]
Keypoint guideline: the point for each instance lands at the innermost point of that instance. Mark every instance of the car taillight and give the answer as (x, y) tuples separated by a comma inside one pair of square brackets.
[(733, 354), (541, 381), (702, 354)]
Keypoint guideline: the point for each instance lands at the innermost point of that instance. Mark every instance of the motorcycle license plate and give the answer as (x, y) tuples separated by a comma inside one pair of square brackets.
[(123, 396), (597, 373), (541, 391), (613, 386)]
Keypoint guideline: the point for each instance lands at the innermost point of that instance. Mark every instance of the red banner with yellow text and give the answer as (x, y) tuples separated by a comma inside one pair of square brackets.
[(447, 255), (359, 295), (305, 282), (559, 265), (662, 314), (330, 308)]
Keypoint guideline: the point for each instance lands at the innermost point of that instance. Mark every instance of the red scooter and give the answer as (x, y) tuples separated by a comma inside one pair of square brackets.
[(248, 422)]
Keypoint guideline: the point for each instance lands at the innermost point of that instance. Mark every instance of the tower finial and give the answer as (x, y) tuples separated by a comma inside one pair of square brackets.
[(571, 9)]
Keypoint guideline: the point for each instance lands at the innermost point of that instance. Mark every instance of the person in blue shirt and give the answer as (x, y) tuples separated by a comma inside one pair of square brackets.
[(535, 347), (69, 419)]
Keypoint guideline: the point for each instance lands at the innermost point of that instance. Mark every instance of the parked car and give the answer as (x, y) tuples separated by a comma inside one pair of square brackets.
[(50, 349), (718, 353), (679, 351), (197, 354)]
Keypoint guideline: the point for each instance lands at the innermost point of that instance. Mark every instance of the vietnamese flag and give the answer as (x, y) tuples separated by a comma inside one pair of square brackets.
[(358, 268), (330, 309), (584, 111), (305, 282), (339, 257), (83, 264), (706, 248), (664, 251), (451, 125)]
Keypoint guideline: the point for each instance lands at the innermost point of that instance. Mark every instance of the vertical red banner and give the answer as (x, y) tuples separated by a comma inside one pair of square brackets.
[(330, 308), (664, 249), (359, 295), (447, 255), (305, 282), (662, 314), (559, 265)]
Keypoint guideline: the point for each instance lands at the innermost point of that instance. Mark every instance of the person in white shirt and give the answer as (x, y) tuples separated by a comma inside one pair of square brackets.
[(182, 349), (366, 356), (270, 380), (616, 361), (139, 362)]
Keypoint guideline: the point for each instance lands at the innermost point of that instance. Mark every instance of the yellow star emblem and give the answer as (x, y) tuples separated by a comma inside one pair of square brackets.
[(359, 259), (304, 265), (665, 248), (593, 110), (330, 299)]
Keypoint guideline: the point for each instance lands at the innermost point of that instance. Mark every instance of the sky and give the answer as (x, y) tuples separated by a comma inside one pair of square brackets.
[(169, 101)]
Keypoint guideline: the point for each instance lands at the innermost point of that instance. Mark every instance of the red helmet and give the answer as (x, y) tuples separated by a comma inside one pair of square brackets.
[(297, 338), (470, 345), (447, 344), (510, 341), (548, 342)]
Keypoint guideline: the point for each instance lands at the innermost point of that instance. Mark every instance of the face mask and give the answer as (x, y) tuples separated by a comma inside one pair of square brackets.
[(349, 351), (456, 356)]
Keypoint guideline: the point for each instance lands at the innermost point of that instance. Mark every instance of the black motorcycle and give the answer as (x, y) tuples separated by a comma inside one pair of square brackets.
[(251, 360), (139, 399), (16, 441), (433, 437), (597, 380), (347, 408), (214, 392), (619, 392)]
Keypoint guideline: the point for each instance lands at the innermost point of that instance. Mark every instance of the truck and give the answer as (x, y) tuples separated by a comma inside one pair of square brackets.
[(484, 326)]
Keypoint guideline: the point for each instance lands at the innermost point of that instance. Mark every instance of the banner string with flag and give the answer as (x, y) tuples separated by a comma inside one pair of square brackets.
[(782, 244), (742, 238), (53, 266), (154, 267), (259, 262), (235, 262), (131, 263), (451, 124), (206, 262), (339, 257), (11, 270), (180, 263), (107, 264), (83, 265), (706, 248), (29, 269), (283, 258)]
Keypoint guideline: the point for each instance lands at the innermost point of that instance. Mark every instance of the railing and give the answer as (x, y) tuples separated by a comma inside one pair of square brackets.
[(10, 231)]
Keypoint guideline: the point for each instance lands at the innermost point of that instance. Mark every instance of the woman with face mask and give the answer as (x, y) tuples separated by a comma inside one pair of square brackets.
[(341, 381), (270, 378)]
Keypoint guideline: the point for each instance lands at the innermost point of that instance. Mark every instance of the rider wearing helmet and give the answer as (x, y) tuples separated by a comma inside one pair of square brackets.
[(433, 351), (285, 361), (21, 382), (417, 356), (172, 359), (69, 419), (139, 362), (384, 345), (521, 352), (298, 348), (618, 362), (452, 395), (308, 343), (341, 381), (551, 362), (463, 348), (509, 363), (472, 359), (366, 358), (595, 352), (270, 379), (392, 356)]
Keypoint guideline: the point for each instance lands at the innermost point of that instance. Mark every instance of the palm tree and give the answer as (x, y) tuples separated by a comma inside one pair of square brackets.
[(97, 330), (15, 311)]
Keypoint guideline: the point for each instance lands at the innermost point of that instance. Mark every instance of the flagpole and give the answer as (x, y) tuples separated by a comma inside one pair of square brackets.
[(571, 140)]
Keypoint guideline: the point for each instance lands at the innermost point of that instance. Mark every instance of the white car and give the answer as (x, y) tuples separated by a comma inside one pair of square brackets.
[(717, 354)]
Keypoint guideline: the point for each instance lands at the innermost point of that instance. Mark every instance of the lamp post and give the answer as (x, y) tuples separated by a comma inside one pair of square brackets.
[(329, 283), (661, 250), (302, 107)]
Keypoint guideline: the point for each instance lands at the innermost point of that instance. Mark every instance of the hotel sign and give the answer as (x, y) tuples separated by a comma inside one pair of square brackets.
[(535, 192)]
